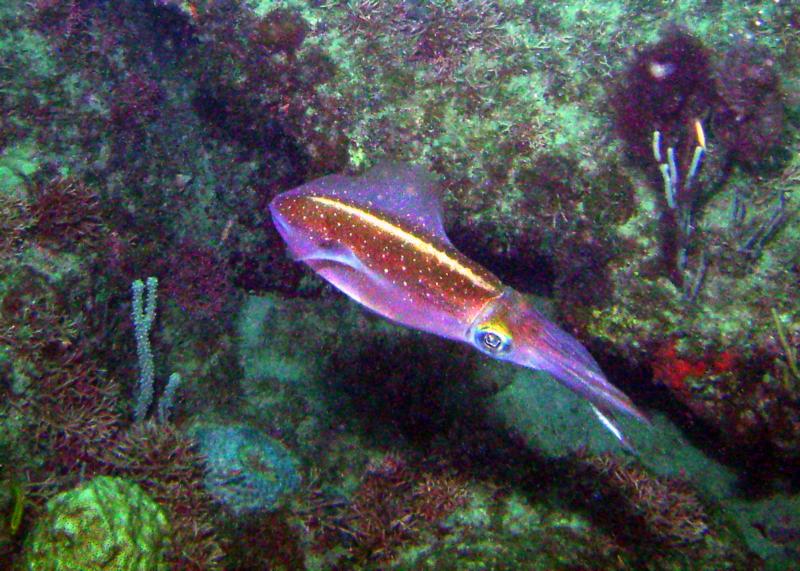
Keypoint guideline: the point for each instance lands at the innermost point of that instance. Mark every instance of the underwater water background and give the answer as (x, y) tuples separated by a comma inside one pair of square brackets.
[(179, 393)]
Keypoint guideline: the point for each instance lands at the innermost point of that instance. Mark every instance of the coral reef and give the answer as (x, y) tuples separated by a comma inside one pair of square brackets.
[(636, 163), (72, 404), (723, 238), (107, 523)]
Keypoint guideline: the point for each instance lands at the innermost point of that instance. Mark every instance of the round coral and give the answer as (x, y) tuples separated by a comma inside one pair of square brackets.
[(247, 470), (106, 524)]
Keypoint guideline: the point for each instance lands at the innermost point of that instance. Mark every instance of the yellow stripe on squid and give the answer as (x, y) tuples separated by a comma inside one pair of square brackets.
[(416, 242)]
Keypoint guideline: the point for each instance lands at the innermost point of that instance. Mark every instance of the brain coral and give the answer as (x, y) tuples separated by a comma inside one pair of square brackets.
[(105, 524), (247, 470)]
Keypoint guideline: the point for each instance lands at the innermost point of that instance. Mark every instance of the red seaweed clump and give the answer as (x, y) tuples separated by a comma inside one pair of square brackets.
[(664, 511), (674, 370), (73, 406), (64, 212)]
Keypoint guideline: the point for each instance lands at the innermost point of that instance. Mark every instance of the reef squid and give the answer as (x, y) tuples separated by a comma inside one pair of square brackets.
[(380, 239)]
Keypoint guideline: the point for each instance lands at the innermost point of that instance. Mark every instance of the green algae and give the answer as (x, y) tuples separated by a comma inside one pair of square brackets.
[(17, 164)]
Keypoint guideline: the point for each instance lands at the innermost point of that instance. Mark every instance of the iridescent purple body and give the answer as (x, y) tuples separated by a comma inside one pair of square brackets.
[(379, 238)]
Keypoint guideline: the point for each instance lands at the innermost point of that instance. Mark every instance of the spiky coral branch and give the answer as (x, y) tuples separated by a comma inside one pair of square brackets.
[(392, 506), (664, 509), (166, 464)]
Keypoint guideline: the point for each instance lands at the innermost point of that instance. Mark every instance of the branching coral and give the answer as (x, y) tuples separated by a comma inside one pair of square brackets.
[(65, 212), (666, 511), (165, 463), (393, 505)]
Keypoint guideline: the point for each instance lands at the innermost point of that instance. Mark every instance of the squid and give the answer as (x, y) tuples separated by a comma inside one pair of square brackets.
[(380, 239)]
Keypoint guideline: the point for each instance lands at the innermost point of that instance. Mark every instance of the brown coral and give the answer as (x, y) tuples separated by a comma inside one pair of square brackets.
[(665, 510), (65, 212), (393, 505), (165, 463), (73, 405)]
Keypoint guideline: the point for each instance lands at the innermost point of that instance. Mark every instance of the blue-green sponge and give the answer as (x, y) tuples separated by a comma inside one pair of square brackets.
[(247, 470)]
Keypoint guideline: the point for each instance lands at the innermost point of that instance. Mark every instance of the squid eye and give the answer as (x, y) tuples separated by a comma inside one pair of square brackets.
[(492, 341)]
